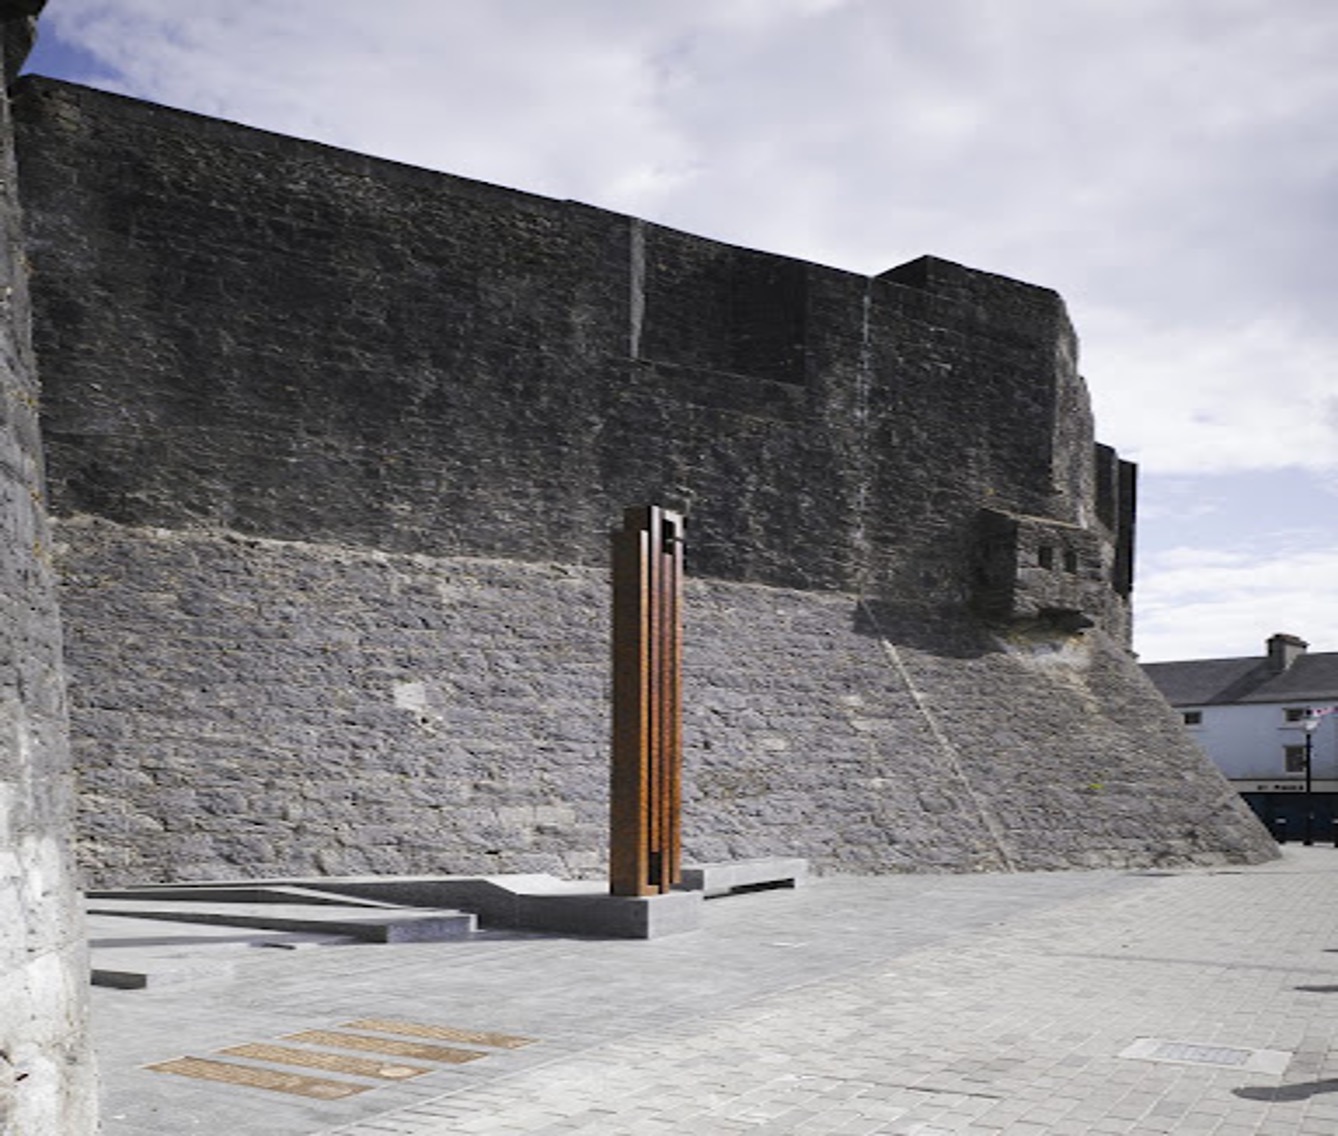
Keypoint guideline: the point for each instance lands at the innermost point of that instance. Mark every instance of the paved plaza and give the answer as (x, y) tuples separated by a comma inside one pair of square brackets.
[(1192, 1002)]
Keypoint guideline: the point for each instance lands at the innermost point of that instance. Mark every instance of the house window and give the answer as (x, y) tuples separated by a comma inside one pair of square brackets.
[(1293, 758), (1045, 556), (1193, 717), (1296, 713), (1070, 560)]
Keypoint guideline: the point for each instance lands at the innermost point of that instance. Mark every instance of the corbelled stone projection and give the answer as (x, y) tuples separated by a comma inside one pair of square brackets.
[(334, 445), (46, 1082)]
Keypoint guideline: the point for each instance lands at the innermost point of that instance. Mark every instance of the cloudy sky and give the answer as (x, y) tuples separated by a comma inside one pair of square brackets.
[(1169, 166)]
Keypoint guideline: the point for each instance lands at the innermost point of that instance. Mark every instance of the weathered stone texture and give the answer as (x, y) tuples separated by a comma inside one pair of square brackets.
[(259, 334), (254, 707), (45, 1079), (338, 442), (251, 707)]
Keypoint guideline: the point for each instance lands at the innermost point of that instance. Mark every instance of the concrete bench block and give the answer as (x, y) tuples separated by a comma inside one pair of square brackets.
[(744, 875)]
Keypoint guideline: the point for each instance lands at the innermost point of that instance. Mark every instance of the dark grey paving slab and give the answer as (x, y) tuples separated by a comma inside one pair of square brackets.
[(134, 953)]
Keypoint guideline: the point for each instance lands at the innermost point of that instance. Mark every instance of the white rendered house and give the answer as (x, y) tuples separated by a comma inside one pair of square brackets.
[(1269, 724)]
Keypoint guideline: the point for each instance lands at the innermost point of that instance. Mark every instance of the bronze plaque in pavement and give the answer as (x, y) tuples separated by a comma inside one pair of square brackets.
[(334, 1062), (225, 1071), (386, 1045), (440, 1033)]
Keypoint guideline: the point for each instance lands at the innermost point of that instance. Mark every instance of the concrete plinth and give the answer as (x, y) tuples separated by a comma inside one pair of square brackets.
[(536, 903), (512, 902)]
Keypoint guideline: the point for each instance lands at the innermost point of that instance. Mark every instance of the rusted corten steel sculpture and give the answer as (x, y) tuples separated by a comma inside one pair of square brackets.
[(645, 839)]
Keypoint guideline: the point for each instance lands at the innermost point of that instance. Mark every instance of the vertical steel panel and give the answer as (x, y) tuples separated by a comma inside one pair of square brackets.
[(672, 668), (646, 780)]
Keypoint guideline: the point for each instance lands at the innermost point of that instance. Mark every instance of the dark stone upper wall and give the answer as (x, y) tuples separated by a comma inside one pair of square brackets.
[(266, 335), (256, 333)]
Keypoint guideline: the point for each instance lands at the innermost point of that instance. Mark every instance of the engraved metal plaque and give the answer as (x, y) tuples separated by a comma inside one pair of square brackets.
[(335, 1062), (225, 1071), (440, 1033), (389, 1045)]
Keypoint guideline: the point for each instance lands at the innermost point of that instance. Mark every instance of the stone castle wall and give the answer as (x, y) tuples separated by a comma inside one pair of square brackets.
[(254, 333), (269, 708), (336, 444), (46, 1082)]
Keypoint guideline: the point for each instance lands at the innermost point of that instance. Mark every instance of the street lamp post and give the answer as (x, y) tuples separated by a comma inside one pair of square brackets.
[(1310, 723)]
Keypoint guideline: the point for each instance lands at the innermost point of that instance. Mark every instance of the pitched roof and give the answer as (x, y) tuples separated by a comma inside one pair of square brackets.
[(1205, 682)]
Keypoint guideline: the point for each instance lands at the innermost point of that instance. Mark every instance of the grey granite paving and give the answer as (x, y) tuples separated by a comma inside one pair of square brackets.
[(918, 1006)]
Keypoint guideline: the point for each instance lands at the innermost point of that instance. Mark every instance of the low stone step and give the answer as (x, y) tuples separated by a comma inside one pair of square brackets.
[(369, 923), (243, 892)]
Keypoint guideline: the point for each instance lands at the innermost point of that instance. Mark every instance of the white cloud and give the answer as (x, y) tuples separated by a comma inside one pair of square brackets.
[(1164, 166), (1261, 394), (1054, 144), (1211, 603), (551, 98)]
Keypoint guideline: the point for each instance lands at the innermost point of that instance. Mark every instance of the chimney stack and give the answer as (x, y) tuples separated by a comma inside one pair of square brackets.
[(1283, 650)]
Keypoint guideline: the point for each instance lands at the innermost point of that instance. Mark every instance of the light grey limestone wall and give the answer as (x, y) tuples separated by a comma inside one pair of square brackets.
[(249, 707)]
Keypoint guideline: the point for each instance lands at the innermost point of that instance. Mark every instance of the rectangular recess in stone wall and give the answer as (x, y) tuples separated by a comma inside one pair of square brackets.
[(721, 308), (1107, 464), (1123, 574), (1116, 490)]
